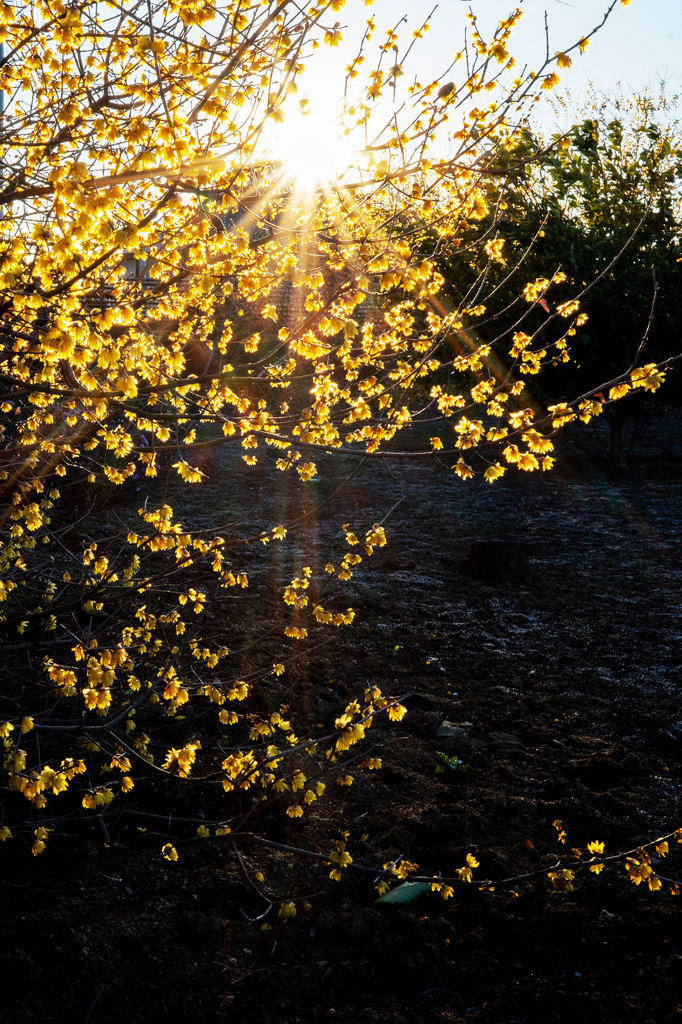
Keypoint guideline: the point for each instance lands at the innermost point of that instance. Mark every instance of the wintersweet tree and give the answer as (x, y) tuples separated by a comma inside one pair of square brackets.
[(166, 287)]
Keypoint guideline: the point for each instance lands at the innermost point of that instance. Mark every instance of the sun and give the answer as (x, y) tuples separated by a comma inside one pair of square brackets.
[(312, 148)]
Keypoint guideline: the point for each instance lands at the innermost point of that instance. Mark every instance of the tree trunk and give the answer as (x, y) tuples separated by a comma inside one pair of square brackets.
[(616, 441)]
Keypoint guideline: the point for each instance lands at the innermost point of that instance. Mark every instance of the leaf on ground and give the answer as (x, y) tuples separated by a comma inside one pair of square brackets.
[(405, 893)]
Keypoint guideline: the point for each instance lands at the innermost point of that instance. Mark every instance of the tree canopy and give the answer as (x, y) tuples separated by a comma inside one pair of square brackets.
[(612, 195), (600, 205)]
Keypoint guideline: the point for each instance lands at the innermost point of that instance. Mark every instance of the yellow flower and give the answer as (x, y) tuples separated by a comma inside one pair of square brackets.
[(463, 470), (561, 830), (396, 712), (618, 391), (188, 473), (528, 462), (638, 870), (306, 470), (41, 835), (647, 377), (287, 910), (562, 880), (493, 472), (169, 852)]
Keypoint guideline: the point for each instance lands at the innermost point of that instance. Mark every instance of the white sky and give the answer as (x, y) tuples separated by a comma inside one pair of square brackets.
[(639, 45)]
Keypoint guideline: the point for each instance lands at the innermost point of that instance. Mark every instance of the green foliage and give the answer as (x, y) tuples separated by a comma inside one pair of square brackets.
[(453, 763), (612, 187), (596, 214)]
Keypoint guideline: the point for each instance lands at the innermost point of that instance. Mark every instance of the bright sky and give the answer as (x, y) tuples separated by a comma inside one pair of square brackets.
[(638, 46)]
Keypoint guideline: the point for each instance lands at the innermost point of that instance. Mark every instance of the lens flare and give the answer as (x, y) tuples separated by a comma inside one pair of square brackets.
[(312, 149)]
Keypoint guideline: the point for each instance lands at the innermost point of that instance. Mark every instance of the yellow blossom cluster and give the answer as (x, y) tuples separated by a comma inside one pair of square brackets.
[(176, 303)]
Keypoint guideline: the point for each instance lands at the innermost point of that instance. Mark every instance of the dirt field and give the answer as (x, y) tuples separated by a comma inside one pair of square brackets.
[(556, 659)]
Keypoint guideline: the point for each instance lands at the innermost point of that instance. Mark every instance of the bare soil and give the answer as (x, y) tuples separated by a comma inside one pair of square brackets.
[(557, 660)]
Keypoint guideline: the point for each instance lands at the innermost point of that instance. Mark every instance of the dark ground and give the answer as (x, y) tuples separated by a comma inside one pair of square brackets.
[(566, 663)]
